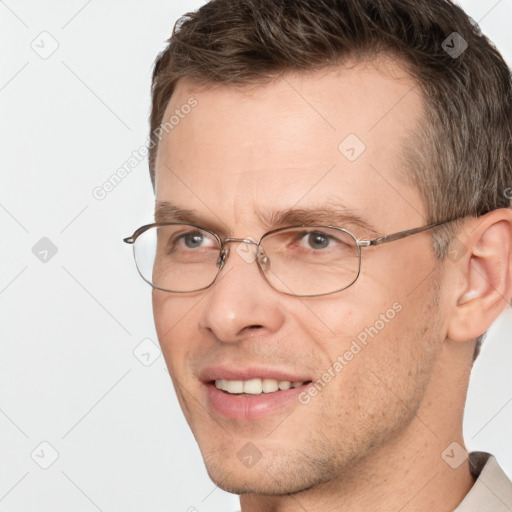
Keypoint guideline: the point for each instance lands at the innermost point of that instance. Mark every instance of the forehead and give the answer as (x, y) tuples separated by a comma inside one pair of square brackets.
[(305, 140)]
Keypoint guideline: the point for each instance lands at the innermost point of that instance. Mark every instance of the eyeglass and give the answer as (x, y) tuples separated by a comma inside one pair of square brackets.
[(303, 261)]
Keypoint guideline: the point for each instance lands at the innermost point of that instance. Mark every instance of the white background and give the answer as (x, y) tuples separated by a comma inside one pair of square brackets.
[(68, 375)]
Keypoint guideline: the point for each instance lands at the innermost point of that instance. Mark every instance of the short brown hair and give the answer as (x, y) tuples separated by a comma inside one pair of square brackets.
[(460, 157)]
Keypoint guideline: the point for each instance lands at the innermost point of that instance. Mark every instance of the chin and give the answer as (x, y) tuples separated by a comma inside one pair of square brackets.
[(278, 476), (257, 482)]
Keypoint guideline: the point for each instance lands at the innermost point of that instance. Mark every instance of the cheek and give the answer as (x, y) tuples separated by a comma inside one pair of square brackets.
[(174, 324), (379, 359), (162, 312), (386, 330), (335, 323)]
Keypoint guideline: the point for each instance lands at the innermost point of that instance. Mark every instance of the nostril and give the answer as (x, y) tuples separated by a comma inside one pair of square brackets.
[(250, 327)]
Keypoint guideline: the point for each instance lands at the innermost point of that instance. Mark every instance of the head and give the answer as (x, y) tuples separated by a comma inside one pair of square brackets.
[(366, 110)]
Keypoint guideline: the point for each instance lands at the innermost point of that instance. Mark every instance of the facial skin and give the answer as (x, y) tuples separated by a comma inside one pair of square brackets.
[(372, 438)]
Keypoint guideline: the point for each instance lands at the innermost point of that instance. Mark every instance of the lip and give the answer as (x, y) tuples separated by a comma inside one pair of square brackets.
[(256, 406), (251, 407), (232, 373)]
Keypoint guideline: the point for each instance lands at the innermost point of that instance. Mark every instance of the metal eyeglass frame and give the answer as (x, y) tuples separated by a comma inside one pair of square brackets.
[(224, 251)]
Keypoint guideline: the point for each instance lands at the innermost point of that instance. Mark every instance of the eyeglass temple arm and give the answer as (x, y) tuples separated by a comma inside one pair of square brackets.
[(131, 239), (398, 236)]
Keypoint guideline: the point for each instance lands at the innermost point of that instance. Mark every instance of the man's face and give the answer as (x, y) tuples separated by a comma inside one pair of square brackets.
[(244, 154)]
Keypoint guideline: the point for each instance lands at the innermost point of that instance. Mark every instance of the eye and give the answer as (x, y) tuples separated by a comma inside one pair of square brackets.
[(193, 240), (316, 240), (186, 241)]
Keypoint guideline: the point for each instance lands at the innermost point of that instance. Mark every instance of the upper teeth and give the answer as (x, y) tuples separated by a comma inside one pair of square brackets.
[(255, 386)]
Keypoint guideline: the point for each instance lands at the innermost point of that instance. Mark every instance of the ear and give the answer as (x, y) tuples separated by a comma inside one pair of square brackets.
[(482, 259)]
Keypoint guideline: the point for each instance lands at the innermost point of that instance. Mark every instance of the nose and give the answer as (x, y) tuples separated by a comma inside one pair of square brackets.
[(241, 302)]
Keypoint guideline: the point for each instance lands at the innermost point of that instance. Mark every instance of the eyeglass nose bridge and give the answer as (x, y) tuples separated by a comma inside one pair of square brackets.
[(224, 253)]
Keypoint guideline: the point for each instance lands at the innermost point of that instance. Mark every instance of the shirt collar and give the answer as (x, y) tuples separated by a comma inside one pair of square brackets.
[(492, 490)]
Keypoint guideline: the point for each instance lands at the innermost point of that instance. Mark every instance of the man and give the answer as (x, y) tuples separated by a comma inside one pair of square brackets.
[(333, 240)]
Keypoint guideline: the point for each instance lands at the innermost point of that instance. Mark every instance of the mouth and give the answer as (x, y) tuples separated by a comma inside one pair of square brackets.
[(256, 386), (246, 396)]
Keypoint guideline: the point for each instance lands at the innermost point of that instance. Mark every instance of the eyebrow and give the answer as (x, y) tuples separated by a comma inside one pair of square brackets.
[(338, 215)]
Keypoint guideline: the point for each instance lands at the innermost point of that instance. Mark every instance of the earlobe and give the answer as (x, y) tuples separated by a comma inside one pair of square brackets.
[(484, 276)]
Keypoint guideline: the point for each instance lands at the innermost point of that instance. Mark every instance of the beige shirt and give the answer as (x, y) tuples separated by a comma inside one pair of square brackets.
[(492, 490)]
